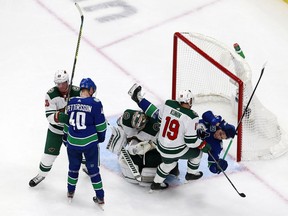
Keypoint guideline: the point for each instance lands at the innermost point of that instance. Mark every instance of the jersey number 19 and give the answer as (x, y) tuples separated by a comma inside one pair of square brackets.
[(171, 128)]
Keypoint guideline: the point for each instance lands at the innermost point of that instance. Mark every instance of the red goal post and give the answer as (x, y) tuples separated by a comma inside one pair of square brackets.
[(217, 75)]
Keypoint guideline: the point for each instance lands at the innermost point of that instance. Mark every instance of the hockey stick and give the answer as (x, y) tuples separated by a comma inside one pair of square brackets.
[(240, 194), (77, 48), (245, 110)]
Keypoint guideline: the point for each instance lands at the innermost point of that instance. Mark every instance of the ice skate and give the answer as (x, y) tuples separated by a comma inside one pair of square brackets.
[(36, 180), (100, 202), (190, 176), (70, 196), (158, 186)]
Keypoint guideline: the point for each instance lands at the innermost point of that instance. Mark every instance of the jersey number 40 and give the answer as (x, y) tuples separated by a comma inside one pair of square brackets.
[(78, 120)]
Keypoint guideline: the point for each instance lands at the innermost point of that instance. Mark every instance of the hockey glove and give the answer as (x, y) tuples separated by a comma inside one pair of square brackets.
[(205, 147), (201, 133), (61, 117), (215, 169)]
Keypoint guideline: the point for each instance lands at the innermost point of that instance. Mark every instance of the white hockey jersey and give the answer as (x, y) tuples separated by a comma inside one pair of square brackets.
[(178, 130)]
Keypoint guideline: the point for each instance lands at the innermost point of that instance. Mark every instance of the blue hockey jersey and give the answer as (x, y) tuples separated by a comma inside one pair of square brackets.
[(213, 123), (87, 123)]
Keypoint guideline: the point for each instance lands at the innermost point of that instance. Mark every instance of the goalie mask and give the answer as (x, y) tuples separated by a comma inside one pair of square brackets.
[(61, 76), (185, 96), (139, 120)]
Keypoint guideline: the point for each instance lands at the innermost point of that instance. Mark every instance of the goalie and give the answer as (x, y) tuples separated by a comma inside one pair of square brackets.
[(135, 134)]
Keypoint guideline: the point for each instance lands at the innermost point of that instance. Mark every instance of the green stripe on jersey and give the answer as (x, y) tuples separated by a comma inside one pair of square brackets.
[(190, 139), (151, 110), (81, 142), (171, 150), (101, 127)]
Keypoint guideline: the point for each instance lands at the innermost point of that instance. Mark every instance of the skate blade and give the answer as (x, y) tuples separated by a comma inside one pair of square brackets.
[(70, 200), (100, 206)]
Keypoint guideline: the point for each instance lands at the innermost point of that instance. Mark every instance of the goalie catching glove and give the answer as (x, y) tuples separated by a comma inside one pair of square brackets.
[(141, 148)]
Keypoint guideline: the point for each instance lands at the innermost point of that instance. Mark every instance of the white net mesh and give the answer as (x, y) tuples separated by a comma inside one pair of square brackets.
[(262, 137)]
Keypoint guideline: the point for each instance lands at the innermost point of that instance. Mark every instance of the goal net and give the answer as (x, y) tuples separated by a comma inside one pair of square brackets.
[(220, 80)]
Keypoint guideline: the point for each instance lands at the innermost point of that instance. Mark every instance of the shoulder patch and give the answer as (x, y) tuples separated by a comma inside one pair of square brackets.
[(96, 99), (156, 126), (126, 115)]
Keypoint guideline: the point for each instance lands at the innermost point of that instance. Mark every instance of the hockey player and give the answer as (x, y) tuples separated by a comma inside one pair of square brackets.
[(86, 129), (177, 137), (55, 103), (211, 129), (136, 132), (216, 130)]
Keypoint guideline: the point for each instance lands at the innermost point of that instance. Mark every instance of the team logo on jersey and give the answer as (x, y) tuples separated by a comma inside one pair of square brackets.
[(47, 103), (126, 115), (156, 126), (51, 149), (213, 128)]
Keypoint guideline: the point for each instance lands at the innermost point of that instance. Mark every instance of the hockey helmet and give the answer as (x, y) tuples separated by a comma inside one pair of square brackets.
[(87, 83), (139, 120), (61, 76), (185, 96), (229, 130)]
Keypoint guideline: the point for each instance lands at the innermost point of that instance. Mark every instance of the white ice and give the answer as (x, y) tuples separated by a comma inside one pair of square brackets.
[(39, 37)]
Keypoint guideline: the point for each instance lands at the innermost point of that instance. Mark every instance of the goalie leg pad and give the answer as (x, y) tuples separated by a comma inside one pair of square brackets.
[(126, 172), (148, 174), (117, 140)]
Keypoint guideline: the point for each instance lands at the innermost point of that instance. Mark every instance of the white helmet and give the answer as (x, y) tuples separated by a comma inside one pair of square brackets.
[(185, 96), (61, 76)]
